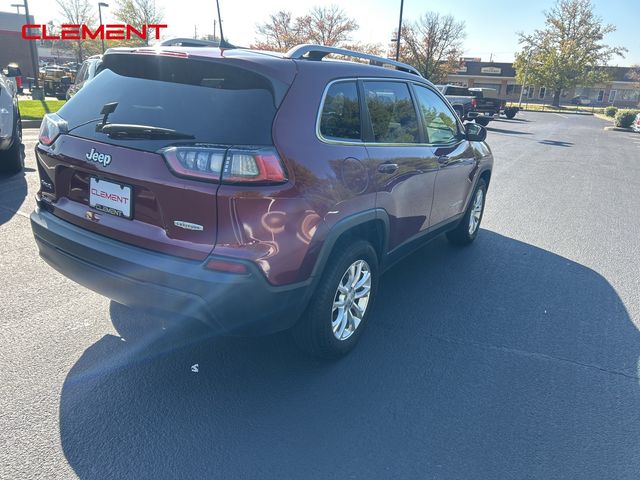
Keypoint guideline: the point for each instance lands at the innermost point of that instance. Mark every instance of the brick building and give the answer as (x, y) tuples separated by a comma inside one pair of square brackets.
[(620, 91)]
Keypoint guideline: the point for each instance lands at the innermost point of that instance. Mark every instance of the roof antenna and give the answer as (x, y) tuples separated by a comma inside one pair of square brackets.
[(223, 42)]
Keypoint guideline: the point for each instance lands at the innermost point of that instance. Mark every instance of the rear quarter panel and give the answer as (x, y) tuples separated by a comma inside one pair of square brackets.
[(279, 228)]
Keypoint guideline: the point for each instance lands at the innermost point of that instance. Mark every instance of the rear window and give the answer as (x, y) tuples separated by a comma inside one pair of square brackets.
[(214, 102), (458, 92), (340, 117)]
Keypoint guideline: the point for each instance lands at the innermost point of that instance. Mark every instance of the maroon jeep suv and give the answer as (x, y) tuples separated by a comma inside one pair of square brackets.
[(255, 191)]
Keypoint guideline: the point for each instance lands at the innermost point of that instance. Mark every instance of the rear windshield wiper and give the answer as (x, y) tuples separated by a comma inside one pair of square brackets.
[(134, 132)]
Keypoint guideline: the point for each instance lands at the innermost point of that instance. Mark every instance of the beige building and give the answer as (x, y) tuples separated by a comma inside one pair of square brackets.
[(621, 91)]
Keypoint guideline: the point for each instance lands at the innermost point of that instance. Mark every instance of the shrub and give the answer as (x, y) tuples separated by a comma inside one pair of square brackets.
[(624, 118), (611, 111)]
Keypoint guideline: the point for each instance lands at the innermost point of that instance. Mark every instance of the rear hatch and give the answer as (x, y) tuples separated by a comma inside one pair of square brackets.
[(150, 174)]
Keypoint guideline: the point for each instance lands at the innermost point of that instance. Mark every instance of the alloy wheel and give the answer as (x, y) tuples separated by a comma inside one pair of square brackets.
[(476, 212), (351, 300)]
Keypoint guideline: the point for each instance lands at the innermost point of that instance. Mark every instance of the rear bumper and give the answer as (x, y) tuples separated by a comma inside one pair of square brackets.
[(487, 115), (230, 303)]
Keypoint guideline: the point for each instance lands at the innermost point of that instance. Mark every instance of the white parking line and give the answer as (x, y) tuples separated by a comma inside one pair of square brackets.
[(560, 115)]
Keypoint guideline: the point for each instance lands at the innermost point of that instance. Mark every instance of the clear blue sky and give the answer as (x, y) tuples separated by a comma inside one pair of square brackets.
[(491, 24)]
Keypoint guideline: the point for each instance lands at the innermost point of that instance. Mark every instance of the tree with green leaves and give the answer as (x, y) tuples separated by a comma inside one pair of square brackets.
[(138, 13), (79, 12), (569, 50), (433, 45)]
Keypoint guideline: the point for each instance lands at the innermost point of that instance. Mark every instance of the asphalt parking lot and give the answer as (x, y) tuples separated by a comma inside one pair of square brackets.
[(516, 358)]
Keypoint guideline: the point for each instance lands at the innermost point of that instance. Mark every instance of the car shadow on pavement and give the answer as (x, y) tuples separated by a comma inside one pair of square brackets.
[(13, 191), (508, 132), (513, 120), (500, 360), (556, 143)]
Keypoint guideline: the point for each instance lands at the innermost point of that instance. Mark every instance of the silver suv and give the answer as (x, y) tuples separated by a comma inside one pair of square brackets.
[(11, 152)]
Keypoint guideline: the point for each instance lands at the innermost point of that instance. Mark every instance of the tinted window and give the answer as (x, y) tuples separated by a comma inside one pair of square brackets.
[(216, 103), (340, 118), (458, 92), (393, 116), (439, 122), (82, 73)]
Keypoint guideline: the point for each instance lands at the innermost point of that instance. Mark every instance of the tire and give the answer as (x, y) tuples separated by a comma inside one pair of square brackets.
[(314, 332), (463, 234), (12, 160), (482, 121), (510, 114)]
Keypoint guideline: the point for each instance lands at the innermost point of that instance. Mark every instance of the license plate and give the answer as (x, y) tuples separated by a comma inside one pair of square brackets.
[(110, 197)]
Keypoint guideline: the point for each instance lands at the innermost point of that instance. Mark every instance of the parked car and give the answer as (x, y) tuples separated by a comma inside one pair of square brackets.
[(636, 124), (488, 104), (56, 80), (85, 74), (580, 100), (465, 104), (11, 152), (14, 75), (254, 191)]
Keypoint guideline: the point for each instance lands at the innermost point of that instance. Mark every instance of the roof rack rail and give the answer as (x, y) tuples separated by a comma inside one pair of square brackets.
[(195, 42), (318, 52)]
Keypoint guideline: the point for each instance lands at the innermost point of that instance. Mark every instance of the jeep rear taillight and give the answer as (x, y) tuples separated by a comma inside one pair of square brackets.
[(474, 103), (234, 165), (51, 127), (253, 166), (196, 162)]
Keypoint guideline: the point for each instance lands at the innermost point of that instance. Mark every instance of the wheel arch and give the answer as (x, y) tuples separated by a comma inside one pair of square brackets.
[(371, 225), (486, 176)]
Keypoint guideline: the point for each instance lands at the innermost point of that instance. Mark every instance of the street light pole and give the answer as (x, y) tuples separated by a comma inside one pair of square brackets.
[(524, 80), (399, 31), (34, 63), (18, 7), (100, 5)]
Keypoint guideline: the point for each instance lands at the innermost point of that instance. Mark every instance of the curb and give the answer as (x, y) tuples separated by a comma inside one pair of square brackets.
[(560, 112), (31, 123), (618, 129)]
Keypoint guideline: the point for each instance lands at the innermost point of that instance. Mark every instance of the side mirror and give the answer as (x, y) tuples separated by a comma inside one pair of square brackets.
[(475, 132)]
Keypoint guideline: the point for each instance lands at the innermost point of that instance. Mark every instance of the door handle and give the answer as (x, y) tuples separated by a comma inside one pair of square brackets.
[(443, 160), (387, 167)]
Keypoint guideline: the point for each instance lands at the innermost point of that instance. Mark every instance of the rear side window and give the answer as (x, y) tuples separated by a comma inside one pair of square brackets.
[(215, 102), (458, 92), (393, 116), (82, 73), (439, 122), (340, 117)]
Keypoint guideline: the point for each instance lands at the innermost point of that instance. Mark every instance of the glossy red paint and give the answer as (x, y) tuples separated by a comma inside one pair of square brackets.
[(279, 228), (159, 197)]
